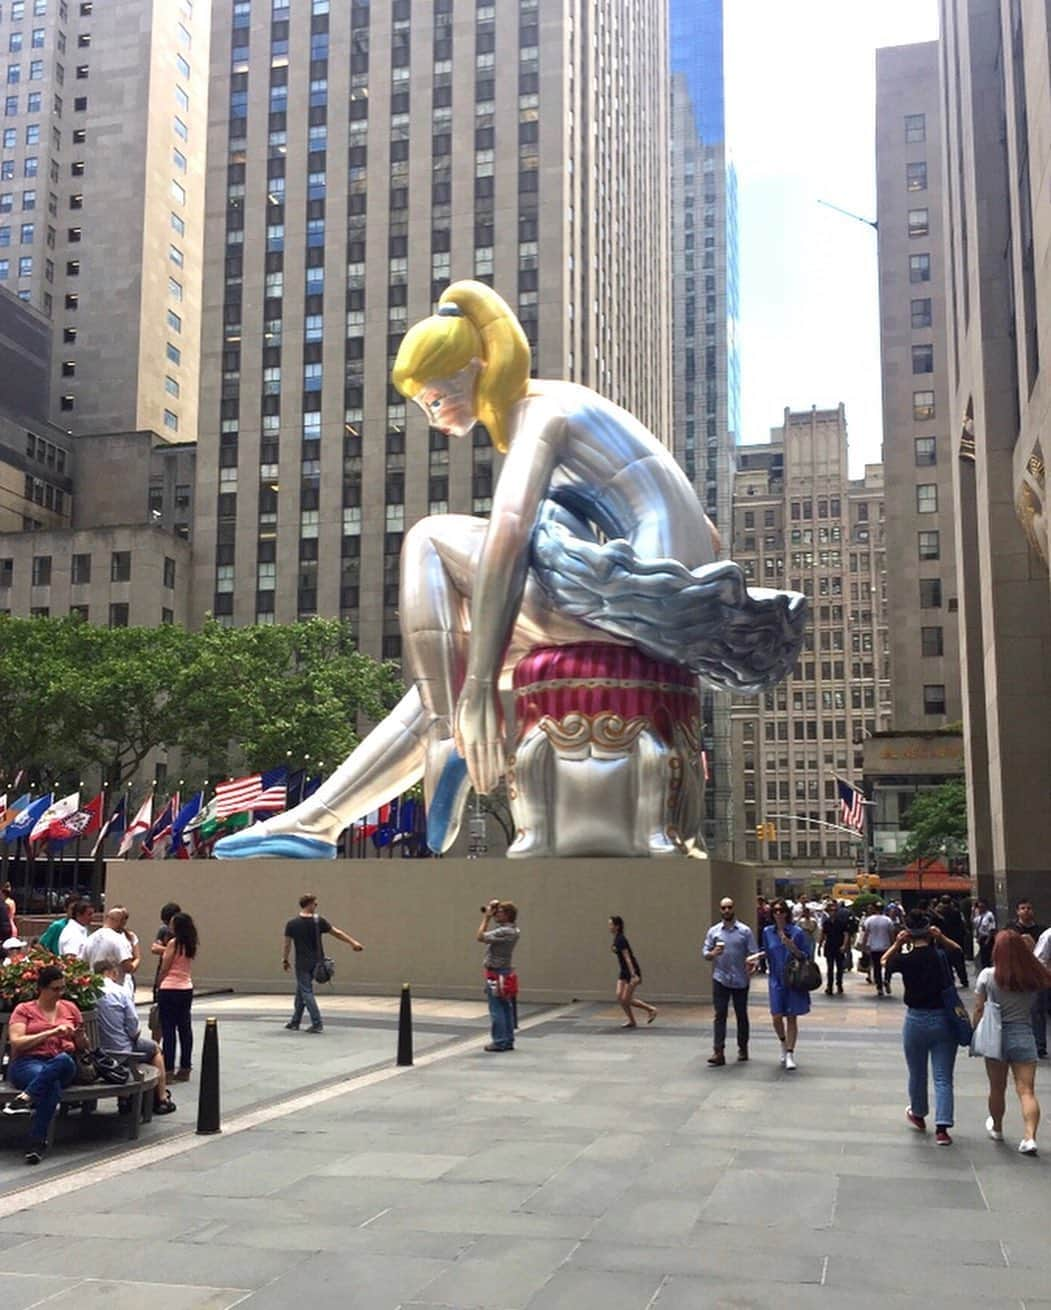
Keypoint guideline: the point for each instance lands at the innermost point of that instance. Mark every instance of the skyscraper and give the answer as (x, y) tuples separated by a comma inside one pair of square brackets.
[(102, 200), (705, 313), (917, 445), (361, 157)]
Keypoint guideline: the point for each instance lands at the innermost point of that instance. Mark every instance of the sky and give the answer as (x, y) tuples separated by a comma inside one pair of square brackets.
[(800, 84)]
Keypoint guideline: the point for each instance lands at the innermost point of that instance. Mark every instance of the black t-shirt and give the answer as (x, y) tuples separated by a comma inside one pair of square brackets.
[(836, 928), (622, 950), (304, 931), (1034, 930), (923, 972)]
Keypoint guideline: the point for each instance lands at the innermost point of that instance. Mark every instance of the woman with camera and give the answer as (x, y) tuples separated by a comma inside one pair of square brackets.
[(44, 1035), (501, 981), (927, 1035), (782, 939)]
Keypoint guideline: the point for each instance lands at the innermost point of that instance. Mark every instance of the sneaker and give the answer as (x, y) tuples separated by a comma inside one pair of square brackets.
[(790, 1061), (916, 1121), (839, 991), (828, 991), (1027, 1146), (942, 1138), (994, 1133), (316, 1028), (493, 1048), (36, 1152), (20, 1105), (717, 1058), (179, 1076), (742, 1055), (292, 1027), (783, 1057)]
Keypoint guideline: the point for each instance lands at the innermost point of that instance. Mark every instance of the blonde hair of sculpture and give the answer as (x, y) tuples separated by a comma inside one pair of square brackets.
[(485, 329)]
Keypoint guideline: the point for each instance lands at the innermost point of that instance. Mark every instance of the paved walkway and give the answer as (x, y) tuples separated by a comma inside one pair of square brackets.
[(592, 1167)]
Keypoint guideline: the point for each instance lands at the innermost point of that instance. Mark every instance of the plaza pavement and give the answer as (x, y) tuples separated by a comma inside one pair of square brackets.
[(590, 1168)]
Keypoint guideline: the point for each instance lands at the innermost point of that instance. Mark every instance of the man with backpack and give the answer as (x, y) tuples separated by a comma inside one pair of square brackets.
[(305, 932)]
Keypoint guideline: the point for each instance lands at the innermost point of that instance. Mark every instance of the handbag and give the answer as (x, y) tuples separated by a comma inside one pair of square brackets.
[(988, 1039), (86, 1071), (959, 1020), (325, 968), (802, 974), (153, 1023)]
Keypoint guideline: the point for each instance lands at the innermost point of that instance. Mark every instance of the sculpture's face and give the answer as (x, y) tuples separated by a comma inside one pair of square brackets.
[(449, 403)]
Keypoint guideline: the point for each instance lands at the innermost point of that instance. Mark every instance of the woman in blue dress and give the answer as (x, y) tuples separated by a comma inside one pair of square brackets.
[(781, 939)]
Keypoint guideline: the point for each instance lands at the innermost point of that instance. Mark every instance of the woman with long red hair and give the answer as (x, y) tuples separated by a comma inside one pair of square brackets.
[(1015, 978)]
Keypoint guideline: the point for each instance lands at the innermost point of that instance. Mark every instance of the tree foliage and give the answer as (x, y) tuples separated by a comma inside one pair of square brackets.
[(75, 697), (937, 823)]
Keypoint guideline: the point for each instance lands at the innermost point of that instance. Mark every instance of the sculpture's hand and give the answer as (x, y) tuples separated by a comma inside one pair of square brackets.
[(479, 734)]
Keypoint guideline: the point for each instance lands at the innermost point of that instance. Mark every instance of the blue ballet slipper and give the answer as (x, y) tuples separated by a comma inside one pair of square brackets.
[(445, 811), (252, 845)]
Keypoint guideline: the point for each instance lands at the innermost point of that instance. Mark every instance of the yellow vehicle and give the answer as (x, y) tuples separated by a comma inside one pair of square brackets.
[(846, 891)]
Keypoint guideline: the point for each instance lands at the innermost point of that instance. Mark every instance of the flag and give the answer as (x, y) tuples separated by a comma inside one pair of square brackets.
[(203, 816), (23, 824), (258, 791), (296, 782), (11, 812), (161, 826), (139, 825), (852, 806), (310, 786), (61, 809), (3, 803), (114, 825), (705, 767), (186, 815), (81, 823)]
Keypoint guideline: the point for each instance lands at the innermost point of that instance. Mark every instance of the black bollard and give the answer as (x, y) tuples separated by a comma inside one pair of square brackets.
[(405, 1026), (208, 1095)]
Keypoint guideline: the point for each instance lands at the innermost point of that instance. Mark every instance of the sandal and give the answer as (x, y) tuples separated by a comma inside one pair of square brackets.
[(20, 1105), (167, 1106)]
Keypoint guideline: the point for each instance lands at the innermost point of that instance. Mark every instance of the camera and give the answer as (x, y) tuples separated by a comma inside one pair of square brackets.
[(490, 907)]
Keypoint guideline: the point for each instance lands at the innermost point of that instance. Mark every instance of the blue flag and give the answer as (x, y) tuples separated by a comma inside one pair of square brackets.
[(189, 811), (22, 826), (11, 813)]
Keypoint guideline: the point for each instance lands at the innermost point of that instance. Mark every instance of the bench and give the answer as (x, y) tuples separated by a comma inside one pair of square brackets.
[(137, 1093)]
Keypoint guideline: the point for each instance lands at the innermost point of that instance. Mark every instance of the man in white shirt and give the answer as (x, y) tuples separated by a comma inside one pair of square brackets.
[(74, 937), (877, 934), (112, 942)]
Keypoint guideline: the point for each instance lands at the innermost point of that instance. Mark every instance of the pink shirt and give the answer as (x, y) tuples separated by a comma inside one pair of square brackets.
[(178, 979), (36, 1021)]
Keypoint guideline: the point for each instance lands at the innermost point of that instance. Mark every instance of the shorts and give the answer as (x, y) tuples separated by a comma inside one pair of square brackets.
[(145, 1046), (1019, 1043)]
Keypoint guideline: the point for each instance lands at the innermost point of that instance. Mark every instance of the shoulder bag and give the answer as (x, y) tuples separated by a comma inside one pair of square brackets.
[(325, 968), (988, 1038), (959, 1020), (801, 973)]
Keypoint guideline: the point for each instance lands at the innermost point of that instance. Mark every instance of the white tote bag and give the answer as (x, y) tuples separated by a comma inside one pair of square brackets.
[(988, 1039)]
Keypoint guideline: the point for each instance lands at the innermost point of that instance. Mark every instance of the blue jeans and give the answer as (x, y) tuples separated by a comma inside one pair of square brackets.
[(1041, 1002), (305, 998), (501, 1018), (928, 1036), (44, 1081)]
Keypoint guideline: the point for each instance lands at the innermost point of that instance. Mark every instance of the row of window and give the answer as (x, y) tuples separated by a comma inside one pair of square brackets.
[(118, 614), (17, 9), (80, 569)]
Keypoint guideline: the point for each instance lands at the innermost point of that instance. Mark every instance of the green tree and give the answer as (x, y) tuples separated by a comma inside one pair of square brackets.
[(38, 696), (937, 823)]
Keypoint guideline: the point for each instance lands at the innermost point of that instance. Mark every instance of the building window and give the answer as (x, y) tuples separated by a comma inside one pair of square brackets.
[(929, 545), (171, 420), (922, 406), (919, 268), (930, 593), (41, 573), (169, 572), (81, 569), (120, 566), (934, 699), (919, 222), (927, 498), (926, 451), (916, 176), (921, 314), (923, 359), (931, 641), (118, 615), (915, 128)]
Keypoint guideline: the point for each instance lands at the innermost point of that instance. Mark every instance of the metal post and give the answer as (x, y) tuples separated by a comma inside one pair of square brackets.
[(208, 1095), (405, 1026)]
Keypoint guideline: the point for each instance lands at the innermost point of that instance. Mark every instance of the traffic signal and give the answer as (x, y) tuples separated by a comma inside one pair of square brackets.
[(766, 831)]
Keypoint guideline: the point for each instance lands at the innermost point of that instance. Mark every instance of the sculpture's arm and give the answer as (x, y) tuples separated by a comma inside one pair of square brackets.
[(502, 570)]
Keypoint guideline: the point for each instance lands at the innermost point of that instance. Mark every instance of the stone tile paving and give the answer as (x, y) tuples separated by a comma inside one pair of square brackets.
[(590, 1168)]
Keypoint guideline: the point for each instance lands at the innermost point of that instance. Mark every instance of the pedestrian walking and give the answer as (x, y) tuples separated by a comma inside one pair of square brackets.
[(305, 932), (983, 922), (927, 1036), (501, 981), (809, 925), (782, 939), (763, 919), (1015, 978), (1026, 925), (832, 943), (731, 945), (175, 997), (630, 975), (952, 923), (878, 933)]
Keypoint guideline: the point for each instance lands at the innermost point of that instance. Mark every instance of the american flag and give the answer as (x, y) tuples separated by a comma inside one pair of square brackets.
[(852, 806), (258, 791)]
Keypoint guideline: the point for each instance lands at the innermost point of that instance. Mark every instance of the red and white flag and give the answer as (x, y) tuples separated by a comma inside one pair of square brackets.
[(142, 823), (59, 810), (81, 823), (257, 791)]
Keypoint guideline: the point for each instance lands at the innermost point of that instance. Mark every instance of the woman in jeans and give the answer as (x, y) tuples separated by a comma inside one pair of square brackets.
[(928, 1034), (1013, 982), (175, 996), (44, 1035)]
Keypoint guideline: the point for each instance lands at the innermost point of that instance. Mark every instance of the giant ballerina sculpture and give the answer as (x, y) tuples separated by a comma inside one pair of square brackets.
[(592, 592)]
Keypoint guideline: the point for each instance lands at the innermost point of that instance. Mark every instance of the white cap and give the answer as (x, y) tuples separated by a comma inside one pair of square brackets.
[(13, 943)]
